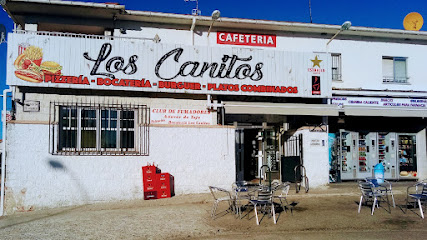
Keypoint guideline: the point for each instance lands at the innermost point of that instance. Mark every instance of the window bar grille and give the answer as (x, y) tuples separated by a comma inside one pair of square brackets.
[(78, 128)]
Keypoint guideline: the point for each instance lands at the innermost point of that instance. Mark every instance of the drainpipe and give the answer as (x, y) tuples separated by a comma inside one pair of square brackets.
[(3, 154), (192, 30)]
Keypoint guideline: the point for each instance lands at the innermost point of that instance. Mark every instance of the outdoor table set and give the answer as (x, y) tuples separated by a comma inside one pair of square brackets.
[(246, 195), (377, 190)]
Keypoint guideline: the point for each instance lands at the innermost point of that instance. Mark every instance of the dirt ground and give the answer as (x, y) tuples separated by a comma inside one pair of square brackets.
[(327, 213)]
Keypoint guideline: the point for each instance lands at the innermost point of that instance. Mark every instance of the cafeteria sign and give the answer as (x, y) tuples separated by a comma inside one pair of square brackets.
[(259, 40)]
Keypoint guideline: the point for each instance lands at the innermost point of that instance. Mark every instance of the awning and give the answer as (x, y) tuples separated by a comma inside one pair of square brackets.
[(384, 112), (280, 108)]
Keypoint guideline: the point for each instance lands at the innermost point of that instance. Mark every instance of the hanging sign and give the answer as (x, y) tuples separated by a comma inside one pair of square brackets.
[(381, 102)]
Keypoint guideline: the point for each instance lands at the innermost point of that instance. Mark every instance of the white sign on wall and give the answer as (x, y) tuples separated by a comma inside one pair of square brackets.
[(141, 65), (174, 116), (380, 102)]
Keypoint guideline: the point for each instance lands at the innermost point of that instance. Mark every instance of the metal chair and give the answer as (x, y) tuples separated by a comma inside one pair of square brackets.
[(283, 189), (418, 196), (387, 187), (241, 195), (263, 199), (220, 195), (373, 194)]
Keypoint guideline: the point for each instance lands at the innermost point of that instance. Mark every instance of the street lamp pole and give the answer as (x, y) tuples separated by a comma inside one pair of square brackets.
[(345, 26)]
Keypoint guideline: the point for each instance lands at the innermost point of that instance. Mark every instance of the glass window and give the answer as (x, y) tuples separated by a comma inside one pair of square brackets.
[(108, 128), (394, 70), (88, 128), (96, 129), (68, 128)]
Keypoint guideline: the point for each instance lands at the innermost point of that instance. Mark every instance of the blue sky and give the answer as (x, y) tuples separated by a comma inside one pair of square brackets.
[(366, 13)]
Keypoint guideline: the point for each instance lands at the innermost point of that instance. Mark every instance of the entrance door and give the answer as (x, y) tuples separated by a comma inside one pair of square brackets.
[(247, 153), (292, 157), (240, 154)]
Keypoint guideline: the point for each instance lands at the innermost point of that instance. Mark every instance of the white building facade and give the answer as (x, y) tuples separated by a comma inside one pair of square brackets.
[(96, 98)]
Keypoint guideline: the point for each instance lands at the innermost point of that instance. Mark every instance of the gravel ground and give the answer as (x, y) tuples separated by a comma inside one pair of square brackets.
[(328, 213)]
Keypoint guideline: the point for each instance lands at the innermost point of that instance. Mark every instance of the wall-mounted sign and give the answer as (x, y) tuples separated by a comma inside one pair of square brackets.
[(315, 85), (317, 67), (380, 102), (139, 65), (174, 116), (259, 40), (31, 106), (315, 142)]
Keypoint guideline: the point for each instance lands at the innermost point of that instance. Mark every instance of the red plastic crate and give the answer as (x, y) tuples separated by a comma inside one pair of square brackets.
[(166, 183), (163, 185), (147, 178), (150, 195), (164, 177), (150, 170), (150, 186), (164, 194)]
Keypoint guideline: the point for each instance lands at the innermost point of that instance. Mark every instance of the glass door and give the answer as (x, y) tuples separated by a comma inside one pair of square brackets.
[(407, 156)]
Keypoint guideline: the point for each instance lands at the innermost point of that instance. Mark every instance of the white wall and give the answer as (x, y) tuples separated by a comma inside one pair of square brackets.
[(197, 157), (315, 157), (361, 60)]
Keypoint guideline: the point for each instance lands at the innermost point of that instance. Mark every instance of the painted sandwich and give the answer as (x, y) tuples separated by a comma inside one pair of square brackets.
[(28, 64), (50, 67)]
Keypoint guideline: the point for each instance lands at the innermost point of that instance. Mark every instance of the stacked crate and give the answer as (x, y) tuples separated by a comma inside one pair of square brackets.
[(157, 184), (166, 188)]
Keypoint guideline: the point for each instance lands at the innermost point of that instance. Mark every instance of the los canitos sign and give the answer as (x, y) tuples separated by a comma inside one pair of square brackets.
[(139, 65)]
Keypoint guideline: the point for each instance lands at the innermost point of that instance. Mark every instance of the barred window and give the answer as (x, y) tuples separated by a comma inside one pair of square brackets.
[(336, 67), (88, 129)]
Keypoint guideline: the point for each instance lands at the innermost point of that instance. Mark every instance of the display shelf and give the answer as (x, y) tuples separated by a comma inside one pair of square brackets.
[(407, 154), (344, 156), (362, 153), (381, 147)]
